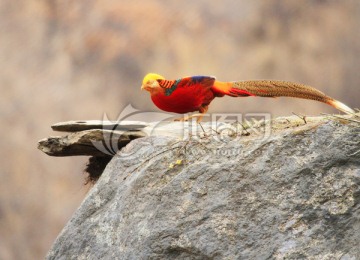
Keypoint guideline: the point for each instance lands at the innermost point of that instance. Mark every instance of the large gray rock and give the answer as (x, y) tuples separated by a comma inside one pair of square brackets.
[(294, 194)]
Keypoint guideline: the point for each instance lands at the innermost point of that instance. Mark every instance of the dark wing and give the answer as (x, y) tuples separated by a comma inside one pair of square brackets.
[(193, 81)]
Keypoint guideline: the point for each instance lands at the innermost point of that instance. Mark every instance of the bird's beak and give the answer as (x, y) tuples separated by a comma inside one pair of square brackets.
[(145, 87)]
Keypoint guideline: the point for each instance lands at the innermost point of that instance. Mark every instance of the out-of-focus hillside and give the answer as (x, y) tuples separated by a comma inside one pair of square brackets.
[(66, 60)]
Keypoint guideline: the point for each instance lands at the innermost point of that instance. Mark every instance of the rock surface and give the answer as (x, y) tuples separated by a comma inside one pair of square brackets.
[(293, 194)]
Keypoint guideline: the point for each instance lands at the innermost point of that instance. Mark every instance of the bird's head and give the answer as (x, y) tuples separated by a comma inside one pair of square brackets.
[(150, 82)]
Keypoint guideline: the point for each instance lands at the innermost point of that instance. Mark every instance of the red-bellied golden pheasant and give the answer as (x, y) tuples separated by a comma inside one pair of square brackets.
[(195, 93)]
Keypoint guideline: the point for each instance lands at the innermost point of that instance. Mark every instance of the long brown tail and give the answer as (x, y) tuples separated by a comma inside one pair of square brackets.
[(275, 88)]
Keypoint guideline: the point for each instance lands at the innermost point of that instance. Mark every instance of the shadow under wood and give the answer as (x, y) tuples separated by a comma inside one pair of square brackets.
[(95, 167)]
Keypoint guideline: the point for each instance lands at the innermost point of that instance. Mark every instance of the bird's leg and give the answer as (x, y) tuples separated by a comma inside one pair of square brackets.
[(202, 110)]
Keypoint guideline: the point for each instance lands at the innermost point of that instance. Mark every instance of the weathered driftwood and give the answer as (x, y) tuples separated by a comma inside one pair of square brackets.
[(102, 138), (76, 126), (95, 142)]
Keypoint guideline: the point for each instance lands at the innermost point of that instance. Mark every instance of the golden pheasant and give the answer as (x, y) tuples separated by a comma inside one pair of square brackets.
[(195, 93)]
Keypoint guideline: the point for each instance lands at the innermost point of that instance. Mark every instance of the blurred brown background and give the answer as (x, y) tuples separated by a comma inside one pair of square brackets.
[(67, 60)]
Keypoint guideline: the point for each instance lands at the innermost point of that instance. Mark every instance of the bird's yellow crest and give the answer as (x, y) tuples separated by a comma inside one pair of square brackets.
[(151, 76)]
